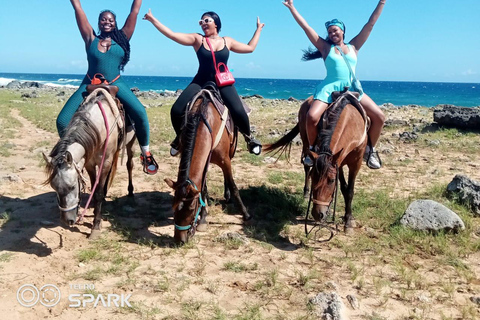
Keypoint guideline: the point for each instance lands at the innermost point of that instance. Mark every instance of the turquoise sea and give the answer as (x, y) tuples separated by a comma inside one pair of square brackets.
[(399, 93)]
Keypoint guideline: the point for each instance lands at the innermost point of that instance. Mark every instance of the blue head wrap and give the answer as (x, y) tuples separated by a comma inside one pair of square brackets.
[(335, 22)]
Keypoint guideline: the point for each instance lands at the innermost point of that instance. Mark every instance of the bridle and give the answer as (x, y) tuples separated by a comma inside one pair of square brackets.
[(81, 187), (323, 225), (202, 203)]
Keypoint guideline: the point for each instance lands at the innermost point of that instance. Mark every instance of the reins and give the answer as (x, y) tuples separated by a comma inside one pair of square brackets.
[(80, 217), (322, 225)]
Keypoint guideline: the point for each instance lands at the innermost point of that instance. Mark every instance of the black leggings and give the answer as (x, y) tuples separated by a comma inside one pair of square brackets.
[(230, 98)]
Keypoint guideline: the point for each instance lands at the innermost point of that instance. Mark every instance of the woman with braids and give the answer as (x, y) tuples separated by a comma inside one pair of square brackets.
[(338, 76), (107, 54), (210, 24)]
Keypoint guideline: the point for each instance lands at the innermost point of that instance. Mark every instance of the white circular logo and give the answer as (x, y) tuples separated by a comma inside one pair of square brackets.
[(50, 295), (28, 295)]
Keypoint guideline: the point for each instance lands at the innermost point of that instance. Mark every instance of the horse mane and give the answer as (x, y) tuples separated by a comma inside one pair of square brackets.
[(188, 138), (80, 130), (324, 137)]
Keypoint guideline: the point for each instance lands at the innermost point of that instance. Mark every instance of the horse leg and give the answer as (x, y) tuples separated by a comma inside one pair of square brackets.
[(348, 192), (99, 197), (226, 192), (202, 225), (306, 187), (228, 177), (130, 142)]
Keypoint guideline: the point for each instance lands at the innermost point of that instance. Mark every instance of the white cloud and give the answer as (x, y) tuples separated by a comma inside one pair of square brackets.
[(469, 72)]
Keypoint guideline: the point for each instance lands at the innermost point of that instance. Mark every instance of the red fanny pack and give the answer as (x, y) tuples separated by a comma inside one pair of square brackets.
[(98, 78), (222, 78)]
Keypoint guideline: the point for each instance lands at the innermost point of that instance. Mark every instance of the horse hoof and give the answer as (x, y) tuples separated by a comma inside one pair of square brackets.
[(349, 231), (202, 227), (94, 235)]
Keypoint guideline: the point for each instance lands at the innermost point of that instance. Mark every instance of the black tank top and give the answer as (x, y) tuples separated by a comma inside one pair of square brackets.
[(206, 69)]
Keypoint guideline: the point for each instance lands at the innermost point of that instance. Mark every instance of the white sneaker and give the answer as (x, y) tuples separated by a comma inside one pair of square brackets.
[(372, 158), (174, 152), (307, 161)]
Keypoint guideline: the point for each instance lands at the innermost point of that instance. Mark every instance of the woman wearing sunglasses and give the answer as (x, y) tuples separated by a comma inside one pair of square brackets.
[(211, 26), (339, 76), (107, 53)]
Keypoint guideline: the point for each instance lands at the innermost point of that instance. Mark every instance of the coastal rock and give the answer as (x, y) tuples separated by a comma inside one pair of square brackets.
[(14, 85), (466, 191), (457, 117), (428, 215), (408, 136), (328, 306), (32, 84), (135, 89)]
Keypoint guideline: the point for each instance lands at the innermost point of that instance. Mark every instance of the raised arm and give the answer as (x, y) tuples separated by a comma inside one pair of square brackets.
[(84, 26), (186, 39), (360, 39), (314, 38), (239, 47), (131, 21)]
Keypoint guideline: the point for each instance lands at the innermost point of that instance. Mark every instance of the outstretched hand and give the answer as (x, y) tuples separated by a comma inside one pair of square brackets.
[(288, 4), (148, 16), (259, 24)]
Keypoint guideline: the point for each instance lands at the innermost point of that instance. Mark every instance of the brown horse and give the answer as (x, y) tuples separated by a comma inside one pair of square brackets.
[(341, 143), (83, 146), (204, 140)]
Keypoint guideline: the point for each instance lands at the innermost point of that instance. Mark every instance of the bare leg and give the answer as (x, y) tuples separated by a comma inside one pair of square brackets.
[(376, 116), (313, 117)]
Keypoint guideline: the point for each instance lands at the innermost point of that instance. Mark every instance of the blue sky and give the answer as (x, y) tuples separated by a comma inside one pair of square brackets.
[(414, 40)]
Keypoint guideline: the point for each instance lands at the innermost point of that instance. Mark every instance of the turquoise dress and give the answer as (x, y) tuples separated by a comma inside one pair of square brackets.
[(338, 74), (108, 64)]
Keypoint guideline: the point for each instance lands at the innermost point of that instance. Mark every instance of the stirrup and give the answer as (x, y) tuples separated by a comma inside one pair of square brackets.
[(148, 161), (175, 147), (307, 161), (253, 145)]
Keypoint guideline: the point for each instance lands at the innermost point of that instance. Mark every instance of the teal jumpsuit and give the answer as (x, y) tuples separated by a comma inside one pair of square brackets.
[(108, 64)]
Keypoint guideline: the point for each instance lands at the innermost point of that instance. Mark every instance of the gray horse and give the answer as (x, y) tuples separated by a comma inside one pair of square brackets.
[(82, 146)]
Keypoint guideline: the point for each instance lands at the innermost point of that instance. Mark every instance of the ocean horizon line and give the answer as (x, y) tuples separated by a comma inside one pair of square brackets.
[(246, 78)]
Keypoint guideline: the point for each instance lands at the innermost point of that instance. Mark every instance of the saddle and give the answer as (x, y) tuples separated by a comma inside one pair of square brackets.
[(338, 97), (211, 89), (113, 90)]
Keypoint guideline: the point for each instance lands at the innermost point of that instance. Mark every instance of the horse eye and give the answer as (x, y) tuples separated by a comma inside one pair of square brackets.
[(330, 181)]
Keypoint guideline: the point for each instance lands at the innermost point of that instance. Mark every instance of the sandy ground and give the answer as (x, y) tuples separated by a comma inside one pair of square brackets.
[(192, 282)]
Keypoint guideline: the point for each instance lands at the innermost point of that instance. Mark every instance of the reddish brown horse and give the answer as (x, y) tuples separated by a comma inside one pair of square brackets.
[(341, 143), (204, 140)]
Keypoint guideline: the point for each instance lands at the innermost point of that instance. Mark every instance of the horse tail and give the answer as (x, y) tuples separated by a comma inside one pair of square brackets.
[(284, 144)]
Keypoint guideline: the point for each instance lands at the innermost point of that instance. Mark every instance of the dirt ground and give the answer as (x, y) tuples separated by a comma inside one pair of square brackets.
[(136, 256)]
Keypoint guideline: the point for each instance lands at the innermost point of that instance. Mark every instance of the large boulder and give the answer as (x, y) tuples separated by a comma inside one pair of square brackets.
[(428, 215), (466, 191), (458, 117), (14, 85)]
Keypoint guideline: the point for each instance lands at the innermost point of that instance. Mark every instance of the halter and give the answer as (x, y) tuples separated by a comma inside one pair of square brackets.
[(202, 205), (315, 201), (81, 186)]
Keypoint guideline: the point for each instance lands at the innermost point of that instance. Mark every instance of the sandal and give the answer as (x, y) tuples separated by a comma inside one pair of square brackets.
[(253, 145), (175, 147)]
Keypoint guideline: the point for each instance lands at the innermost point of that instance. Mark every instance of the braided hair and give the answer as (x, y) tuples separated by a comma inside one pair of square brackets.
[(120, 38)]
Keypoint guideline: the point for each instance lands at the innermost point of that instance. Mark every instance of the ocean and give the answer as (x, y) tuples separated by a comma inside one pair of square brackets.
[(399, 93)]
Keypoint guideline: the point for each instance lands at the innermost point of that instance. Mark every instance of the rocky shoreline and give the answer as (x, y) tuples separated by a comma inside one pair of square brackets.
[(443, 114)]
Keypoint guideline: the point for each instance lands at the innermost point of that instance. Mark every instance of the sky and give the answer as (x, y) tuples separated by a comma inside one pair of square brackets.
[(413, 40)]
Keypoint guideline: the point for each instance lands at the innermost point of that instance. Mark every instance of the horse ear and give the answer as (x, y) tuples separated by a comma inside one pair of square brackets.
[(172, 184), (192, 190), (313, 155), (68, 158), (47, 159)]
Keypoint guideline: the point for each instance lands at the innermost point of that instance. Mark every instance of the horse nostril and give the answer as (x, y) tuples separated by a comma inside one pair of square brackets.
[(71, 222)]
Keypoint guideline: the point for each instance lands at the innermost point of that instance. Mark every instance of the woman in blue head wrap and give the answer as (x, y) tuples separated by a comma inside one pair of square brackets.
[(339, 75)]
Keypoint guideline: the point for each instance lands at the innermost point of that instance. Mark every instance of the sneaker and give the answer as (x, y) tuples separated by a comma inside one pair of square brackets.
[(372, 158), (307, 161), (175, 147), (150, 166), (254, 146)]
